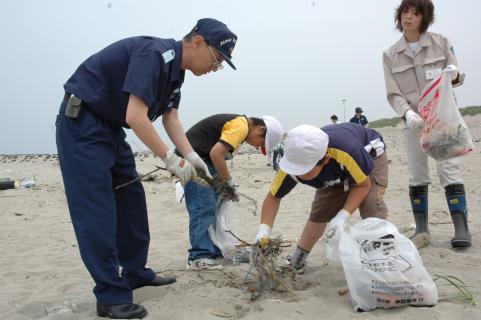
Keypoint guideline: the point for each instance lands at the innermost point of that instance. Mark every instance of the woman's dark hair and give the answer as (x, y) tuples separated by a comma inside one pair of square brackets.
[(423, 7), (258, 122)]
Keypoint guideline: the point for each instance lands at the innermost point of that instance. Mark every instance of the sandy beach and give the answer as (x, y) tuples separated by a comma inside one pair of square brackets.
[(43, 277)]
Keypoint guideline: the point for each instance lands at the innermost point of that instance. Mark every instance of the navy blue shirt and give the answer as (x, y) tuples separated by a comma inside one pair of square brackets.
[(362, 120), (146, 67), (349, 162)]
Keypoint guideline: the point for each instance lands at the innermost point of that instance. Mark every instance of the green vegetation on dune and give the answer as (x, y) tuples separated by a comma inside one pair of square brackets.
[(385, 122), (392, 122), (470, 111)]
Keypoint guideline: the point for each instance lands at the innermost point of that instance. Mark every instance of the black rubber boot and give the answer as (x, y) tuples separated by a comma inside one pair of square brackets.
[(456, 197), (419, 204)]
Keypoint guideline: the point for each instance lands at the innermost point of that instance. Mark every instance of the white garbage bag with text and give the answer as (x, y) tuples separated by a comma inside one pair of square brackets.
[(383, 268)]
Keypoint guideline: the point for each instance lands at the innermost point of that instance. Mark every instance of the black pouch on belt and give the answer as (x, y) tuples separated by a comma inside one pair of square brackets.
[(74, 106)]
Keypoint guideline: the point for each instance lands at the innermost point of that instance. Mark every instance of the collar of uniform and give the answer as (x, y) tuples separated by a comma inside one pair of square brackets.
[(424, 41), (402, 44), (177, 73)]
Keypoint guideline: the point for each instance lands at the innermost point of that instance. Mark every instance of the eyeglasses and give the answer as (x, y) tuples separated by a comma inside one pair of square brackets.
[(217, 63)]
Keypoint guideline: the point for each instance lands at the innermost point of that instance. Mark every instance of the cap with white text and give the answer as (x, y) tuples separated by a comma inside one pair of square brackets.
[(217, 34)]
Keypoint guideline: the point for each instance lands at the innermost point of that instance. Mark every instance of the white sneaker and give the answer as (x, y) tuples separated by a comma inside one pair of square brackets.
[(203, 264)]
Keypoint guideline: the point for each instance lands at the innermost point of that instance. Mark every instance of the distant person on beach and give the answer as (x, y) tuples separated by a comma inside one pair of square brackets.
[(269, 158), (359, 118), (335, 119), (346, 163), (129, 84), (215, 138), (412, 62), (277, 154)]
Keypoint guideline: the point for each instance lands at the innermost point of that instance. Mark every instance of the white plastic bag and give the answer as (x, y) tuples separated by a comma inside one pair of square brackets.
[(179, 192), (383, 268), (224, 240), (445, 134)]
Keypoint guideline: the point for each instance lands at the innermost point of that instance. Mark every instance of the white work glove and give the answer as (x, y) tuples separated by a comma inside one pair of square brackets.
[(335, 227), (198, 164), (232, 183), (264, 235), (413, 120), (232, 189), (181, 168), (452, 71)]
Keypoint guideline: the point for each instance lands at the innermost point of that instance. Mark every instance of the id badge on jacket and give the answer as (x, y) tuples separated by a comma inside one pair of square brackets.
[(433, 73)]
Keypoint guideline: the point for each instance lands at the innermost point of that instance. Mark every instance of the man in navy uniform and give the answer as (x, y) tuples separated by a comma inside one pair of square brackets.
[(359, 118), (128, 84)]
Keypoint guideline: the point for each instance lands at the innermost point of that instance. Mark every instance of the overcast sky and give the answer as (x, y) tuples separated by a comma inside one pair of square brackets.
[(296, 59)]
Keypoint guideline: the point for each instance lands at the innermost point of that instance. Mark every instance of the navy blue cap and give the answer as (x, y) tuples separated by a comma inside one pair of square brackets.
[(359, 109), (217, 34)]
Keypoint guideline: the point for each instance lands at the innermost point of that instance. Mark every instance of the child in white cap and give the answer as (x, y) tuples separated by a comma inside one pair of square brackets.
[(346, 163)]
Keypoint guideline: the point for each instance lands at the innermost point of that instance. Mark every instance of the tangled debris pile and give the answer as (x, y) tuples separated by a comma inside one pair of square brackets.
[(267, 270)]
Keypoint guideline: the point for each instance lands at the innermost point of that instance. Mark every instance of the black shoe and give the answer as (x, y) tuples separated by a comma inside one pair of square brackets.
[(160, 281), (121, 311), (456, 243)]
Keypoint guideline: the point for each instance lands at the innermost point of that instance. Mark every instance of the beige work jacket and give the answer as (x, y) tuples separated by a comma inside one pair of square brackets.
[(407, 72)]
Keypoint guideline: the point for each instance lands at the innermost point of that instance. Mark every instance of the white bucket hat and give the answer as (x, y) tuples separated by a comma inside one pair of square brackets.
[(305, 145), (274, 132)]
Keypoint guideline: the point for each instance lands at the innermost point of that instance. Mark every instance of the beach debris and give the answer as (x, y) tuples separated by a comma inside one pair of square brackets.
[(252, 200), (226, 192), (28, 157), (139, 177), (267, 272), (221, 313), (151, 178), (343, 291), (29, 183), (199, 179), (6, 183), (67, 307), (447, 140), (234, 250)]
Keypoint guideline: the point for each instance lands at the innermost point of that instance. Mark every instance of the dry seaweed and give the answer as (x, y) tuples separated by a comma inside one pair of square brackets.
[(225, 192), (202, 180), (267, 271), (254, 202)]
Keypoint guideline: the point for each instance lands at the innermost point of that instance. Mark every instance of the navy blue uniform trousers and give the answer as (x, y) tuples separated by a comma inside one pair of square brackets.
[(111, 226)]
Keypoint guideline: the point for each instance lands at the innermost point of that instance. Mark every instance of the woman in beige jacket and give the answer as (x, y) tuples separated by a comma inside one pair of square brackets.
[(417, 58)]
